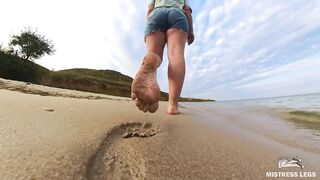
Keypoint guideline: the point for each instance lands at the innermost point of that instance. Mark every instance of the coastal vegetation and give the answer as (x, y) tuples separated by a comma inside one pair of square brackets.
[(89, 80), (30, 45)]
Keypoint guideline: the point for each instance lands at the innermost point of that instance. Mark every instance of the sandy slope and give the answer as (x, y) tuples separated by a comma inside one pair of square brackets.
[(45, 137)]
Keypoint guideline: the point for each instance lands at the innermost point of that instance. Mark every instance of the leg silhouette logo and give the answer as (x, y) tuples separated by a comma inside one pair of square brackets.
[(285, 162)]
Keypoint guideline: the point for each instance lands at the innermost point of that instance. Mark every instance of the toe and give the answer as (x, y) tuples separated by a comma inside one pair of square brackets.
[(154, 107), (146, 108), (133, 96), (138, 102), (141, 107)]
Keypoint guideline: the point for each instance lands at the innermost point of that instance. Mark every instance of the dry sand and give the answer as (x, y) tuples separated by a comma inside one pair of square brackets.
[(74, 135)]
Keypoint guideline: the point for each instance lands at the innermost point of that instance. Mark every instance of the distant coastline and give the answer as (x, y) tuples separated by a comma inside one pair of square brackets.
[(271, 97), (107, 82)]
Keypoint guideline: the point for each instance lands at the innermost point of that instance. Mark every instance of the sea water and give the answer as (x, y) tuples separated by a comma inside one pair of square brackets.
[(306, 102), (299, 120)]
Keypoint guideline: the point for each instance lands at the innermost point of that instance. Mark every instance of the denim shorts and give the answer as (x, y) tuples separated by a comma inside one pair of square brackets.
[(164, 18)]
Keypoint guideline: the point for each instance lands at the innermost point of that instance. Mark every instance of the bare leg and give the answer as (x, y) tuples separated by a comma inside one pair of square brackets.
[(144, 89), (176, 40)]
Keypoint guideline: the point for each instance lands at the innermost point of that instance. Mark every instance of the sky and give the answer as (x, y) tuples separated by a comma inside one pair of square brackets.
[(243, 49)]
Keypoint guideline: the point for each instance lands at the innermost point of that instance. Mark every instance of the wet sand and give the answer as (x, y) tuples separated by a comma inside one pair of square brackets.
[(72, 135)]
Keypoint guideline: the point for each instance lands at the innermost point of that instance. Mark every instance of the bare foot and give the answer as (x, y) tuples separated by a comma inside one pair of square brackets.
[(172, 110), (145, 89)]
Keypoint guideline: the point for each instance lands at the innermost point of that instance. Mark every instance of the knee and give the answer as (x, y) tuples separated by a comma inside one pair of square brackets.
[(175, 55)]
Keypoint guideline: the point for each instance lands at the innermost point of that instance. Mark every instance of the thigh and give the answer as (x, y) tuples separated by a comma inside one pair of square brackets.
[(155, 43), (176, 40)]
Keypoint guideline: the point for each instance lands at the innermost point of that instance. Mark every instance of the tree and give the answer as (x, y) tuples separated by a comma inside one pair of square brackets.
[(30, 45)]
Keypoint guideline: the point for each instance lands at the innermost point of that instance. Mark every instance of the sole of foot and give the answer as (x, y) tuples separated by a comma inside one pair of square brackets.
[(145, 90)]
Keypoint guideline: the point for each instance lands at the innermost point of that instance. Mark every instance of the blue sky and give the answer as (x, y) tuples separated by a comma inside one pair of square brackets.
[(243, 49)]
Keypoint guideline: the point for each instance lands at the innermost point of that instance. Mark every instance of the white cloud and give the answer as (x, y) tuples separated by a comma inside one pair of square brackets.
[(241, 47), (249, 38)]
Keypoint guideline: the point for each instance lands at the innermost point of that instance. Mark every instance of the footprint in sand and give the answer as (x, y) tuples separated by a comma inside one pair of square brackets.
[(116, 158), (139, 130)]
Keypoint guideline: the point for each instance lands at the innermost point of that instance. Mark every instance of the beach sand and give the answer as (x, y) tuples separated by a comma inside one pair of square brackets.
[(51, 133)]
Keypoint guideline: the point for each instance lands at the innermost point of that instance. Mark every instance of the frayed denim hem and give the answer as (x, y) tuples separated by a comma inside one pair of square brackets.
[(162, 30), (152, 32)]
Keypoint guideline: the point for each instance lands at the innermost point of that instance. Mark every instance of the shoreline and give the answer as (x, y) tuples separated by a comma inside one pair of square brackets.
[(287, 126), (264, 127), (29, 88), (51, 137)]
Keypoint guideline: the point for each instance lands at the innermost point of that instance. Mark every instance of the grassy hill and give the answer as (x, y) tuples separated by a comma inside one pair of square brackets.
[(15, 68), (98, 81)]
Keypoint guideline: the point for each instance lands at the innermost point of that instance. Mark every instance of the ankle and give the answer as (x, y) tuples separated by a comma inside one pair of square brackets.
[(151, 60), (171, 104), (172, 109), (149, 67)]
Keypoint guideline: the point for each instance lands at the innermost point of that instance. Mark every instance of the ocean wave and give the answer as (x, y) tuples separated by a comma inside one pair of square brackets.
[(305, 119)]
